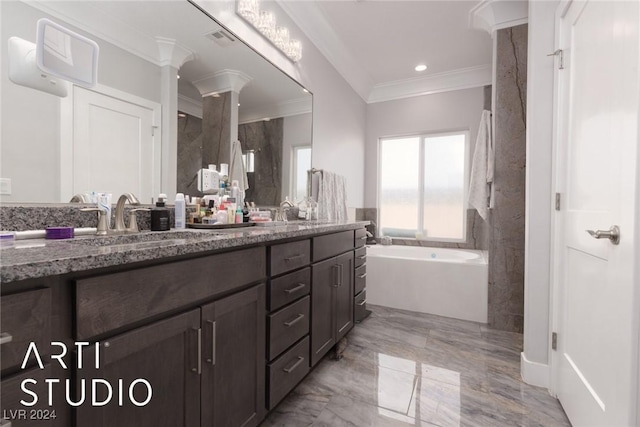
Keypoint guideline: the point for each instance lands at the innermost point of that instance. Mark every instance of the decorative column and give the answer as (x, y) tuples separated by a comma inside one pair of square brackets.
[(220, 97), (172, 57)]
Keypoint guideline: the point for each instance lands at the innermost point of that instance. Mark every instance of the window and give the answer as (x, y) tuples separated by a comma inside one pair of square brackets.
[(301, 164), (423, 186)]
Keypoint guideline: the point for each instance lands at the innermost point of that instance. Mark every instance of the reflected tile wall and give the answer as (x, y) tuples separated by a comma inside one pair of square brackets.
[(189, 154)]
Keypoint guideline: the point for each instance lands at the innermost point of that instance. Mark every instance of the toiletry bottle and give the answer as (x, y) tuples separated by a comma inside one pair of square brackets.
[(160, 218), (180, 212), (221, 217), (238, 215)]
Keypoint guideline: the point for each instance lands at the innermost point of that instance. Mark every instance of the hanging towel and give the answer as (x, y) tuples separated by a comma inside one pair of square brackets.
[(332, 197), (482, 168), (236, 169)]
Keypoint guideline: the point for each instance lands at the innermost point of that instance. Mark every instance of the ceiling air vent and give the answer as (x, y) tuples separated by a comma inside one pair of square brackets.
[(221, 38)]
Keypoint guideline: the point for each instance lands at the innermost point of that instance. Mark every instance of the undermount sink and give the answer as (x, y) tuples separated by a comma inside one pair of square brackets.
[(142, 237)]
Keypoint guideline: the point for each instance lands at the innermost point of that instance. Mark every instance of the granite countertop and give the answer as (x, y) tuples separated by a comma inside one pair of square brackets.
[(34, 258)]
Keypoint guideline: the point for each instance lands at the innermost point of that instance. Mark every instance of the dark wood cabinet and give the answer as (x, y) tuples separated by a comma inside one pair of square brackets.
[(331, 303), (233, 360), (165, 354)]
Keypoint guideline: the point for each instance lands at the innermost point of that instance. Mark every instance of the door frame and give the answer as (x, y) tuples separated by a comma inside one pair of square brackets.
[(558, 179), (67, 131)]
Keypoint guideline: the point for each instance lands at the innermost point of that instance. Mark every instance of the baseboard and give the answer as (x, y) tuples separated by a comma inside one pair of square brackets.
[(534, 373)]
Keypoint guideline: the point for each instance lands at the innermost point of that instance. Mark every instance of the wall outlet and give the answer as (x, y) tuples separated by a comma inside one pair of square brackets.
[(208, 181), (5, 186)]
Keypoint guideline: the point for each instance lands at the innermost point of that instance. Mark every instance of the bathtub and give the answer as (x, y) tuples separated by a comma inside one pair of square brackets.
[(446, 282)]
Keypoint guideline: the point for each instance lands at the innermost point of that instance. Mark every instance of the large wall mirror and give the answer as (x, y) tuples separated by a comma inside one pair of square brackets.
[(175, 88)]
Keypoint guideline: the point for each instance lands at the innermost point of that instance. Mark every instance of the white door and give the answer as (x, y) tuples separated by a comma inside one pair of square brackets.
[(116, 147), (597, 116)]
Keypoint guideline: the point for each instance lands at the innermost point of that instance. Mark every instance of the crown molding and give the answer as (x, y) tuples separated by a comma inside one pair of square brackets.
[(311, 20), (190, 106), (222, 81), (464, 78), (282, 109), (173, 53), (83, 17), (493, 15)]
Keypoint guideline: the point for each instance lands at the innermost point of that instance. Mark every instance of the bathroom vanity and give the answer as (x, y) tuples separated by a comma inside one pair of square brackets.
[(221, 326)]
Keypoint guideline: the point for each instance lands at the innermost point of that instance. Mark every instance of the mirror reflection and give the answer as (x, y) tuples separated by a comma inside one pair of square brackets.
[(174, 90)]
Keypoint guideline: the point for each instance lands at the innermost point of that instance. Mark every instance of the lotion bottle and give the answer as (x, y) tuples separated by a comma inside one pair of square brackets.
[(180, 211)]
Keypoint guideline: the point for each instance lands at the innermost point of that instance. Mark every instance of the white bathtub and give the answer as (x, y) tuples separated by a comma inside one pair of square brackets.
[(446, 282)]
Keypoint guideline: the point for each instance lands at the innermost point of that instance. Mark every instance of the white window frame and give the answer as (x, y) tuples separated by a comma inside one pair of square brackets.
[(467, 163), (294, 167)]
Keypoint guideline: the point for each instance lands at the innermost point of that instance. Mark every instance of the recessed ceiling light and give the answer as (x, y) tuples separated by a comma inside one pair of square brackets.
[(421, 67), (238, 104), (304, 90), (178, 76)]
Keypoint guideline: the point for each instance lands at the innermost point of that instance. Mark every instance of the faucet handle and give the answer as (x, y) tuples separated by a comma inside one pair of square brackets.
[(103, 225), (133, 220)]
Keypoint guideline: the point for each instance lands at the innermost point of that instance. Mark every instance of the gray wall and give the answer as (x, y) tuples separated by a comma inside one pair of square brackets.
[(189, 154), (297, 132), (506, 250), (31, 119), (216, 129), (265, 139)]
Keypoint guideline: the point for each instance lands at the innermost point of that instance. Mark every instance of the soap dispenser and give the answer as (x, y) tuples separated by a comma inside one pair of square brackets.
[(160, 216)]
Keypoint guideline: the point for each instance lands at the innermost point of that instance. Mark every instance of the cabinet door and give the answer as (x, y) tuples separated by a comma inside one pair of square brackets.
[(233, 375), (165, 354), (344, 295), (324, 281)]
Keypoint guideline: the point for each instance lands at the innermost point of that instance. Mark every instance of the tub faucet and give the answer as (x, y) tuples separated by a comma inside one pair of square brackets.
[(133, 200)]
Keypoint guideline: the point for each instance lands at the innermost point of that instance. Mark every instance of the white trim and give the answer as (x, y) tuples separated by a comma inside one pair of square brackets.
[(289, 108), (537, 374), (311, 20), (493, 15), (464, 78), (190, 106)]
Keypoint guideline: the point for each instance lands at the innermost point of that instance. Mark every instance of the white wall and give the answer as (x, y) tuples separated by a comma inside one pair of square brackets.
[(30, 136), (338, 112), (295, 133), (539, 197), (441, 112)]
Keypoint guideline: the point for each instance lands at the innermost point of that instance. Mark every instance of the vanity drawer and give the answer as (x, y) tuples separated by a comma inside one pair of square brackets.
[(108, 302), (290, 256), (289, 288), (288, 326), (25, 318), (361, 279), (361, 256), (332, 244), (286, 371), (360, 306), (361, 237)]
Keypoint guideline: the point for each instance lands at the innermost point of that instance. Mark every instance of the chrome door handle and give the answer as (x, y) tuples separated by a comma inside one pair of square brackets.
[(612, 234)]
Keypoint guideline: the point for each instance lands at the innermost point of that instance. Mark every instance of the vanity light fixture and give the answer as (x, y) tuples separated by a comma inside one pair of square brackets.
[(265, 22), (420, 67)]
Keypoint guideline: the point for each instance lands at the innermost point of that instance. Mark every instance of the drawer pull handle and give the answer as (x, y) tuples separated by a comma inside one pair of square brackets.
[(362, 257), (212, 359), (362, 303), (5, 338), (362, 276), (5, 423), (291, 258), (298, 318), (362, 238), (294, 366), (296, 289)]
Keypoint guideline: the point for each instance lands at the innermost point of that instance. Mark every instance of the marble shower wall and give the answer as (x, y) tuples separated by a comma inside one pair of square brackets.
[(216, 129), (189, 154), (265, 138), (506, 249)]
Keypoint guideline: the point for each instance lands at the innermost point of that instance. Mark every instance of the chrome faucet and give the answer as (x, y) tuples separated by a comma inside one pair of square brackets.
[(133, 200), (282, 212), (80, 198)]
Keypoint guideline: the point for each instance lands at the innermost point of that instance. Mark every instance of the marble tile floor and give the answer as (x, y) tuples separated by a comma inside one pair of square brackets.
[(409, 369)]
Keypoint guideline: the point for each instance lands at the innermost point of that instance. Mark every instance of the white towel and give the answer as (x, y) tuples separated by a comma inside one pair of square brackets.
[(332, 197), (236, 169), (482, 168)]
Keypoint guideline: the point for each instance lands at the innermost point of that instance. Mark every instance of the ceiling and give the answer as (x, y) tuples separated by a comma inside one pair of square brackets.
[(375, 45)]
